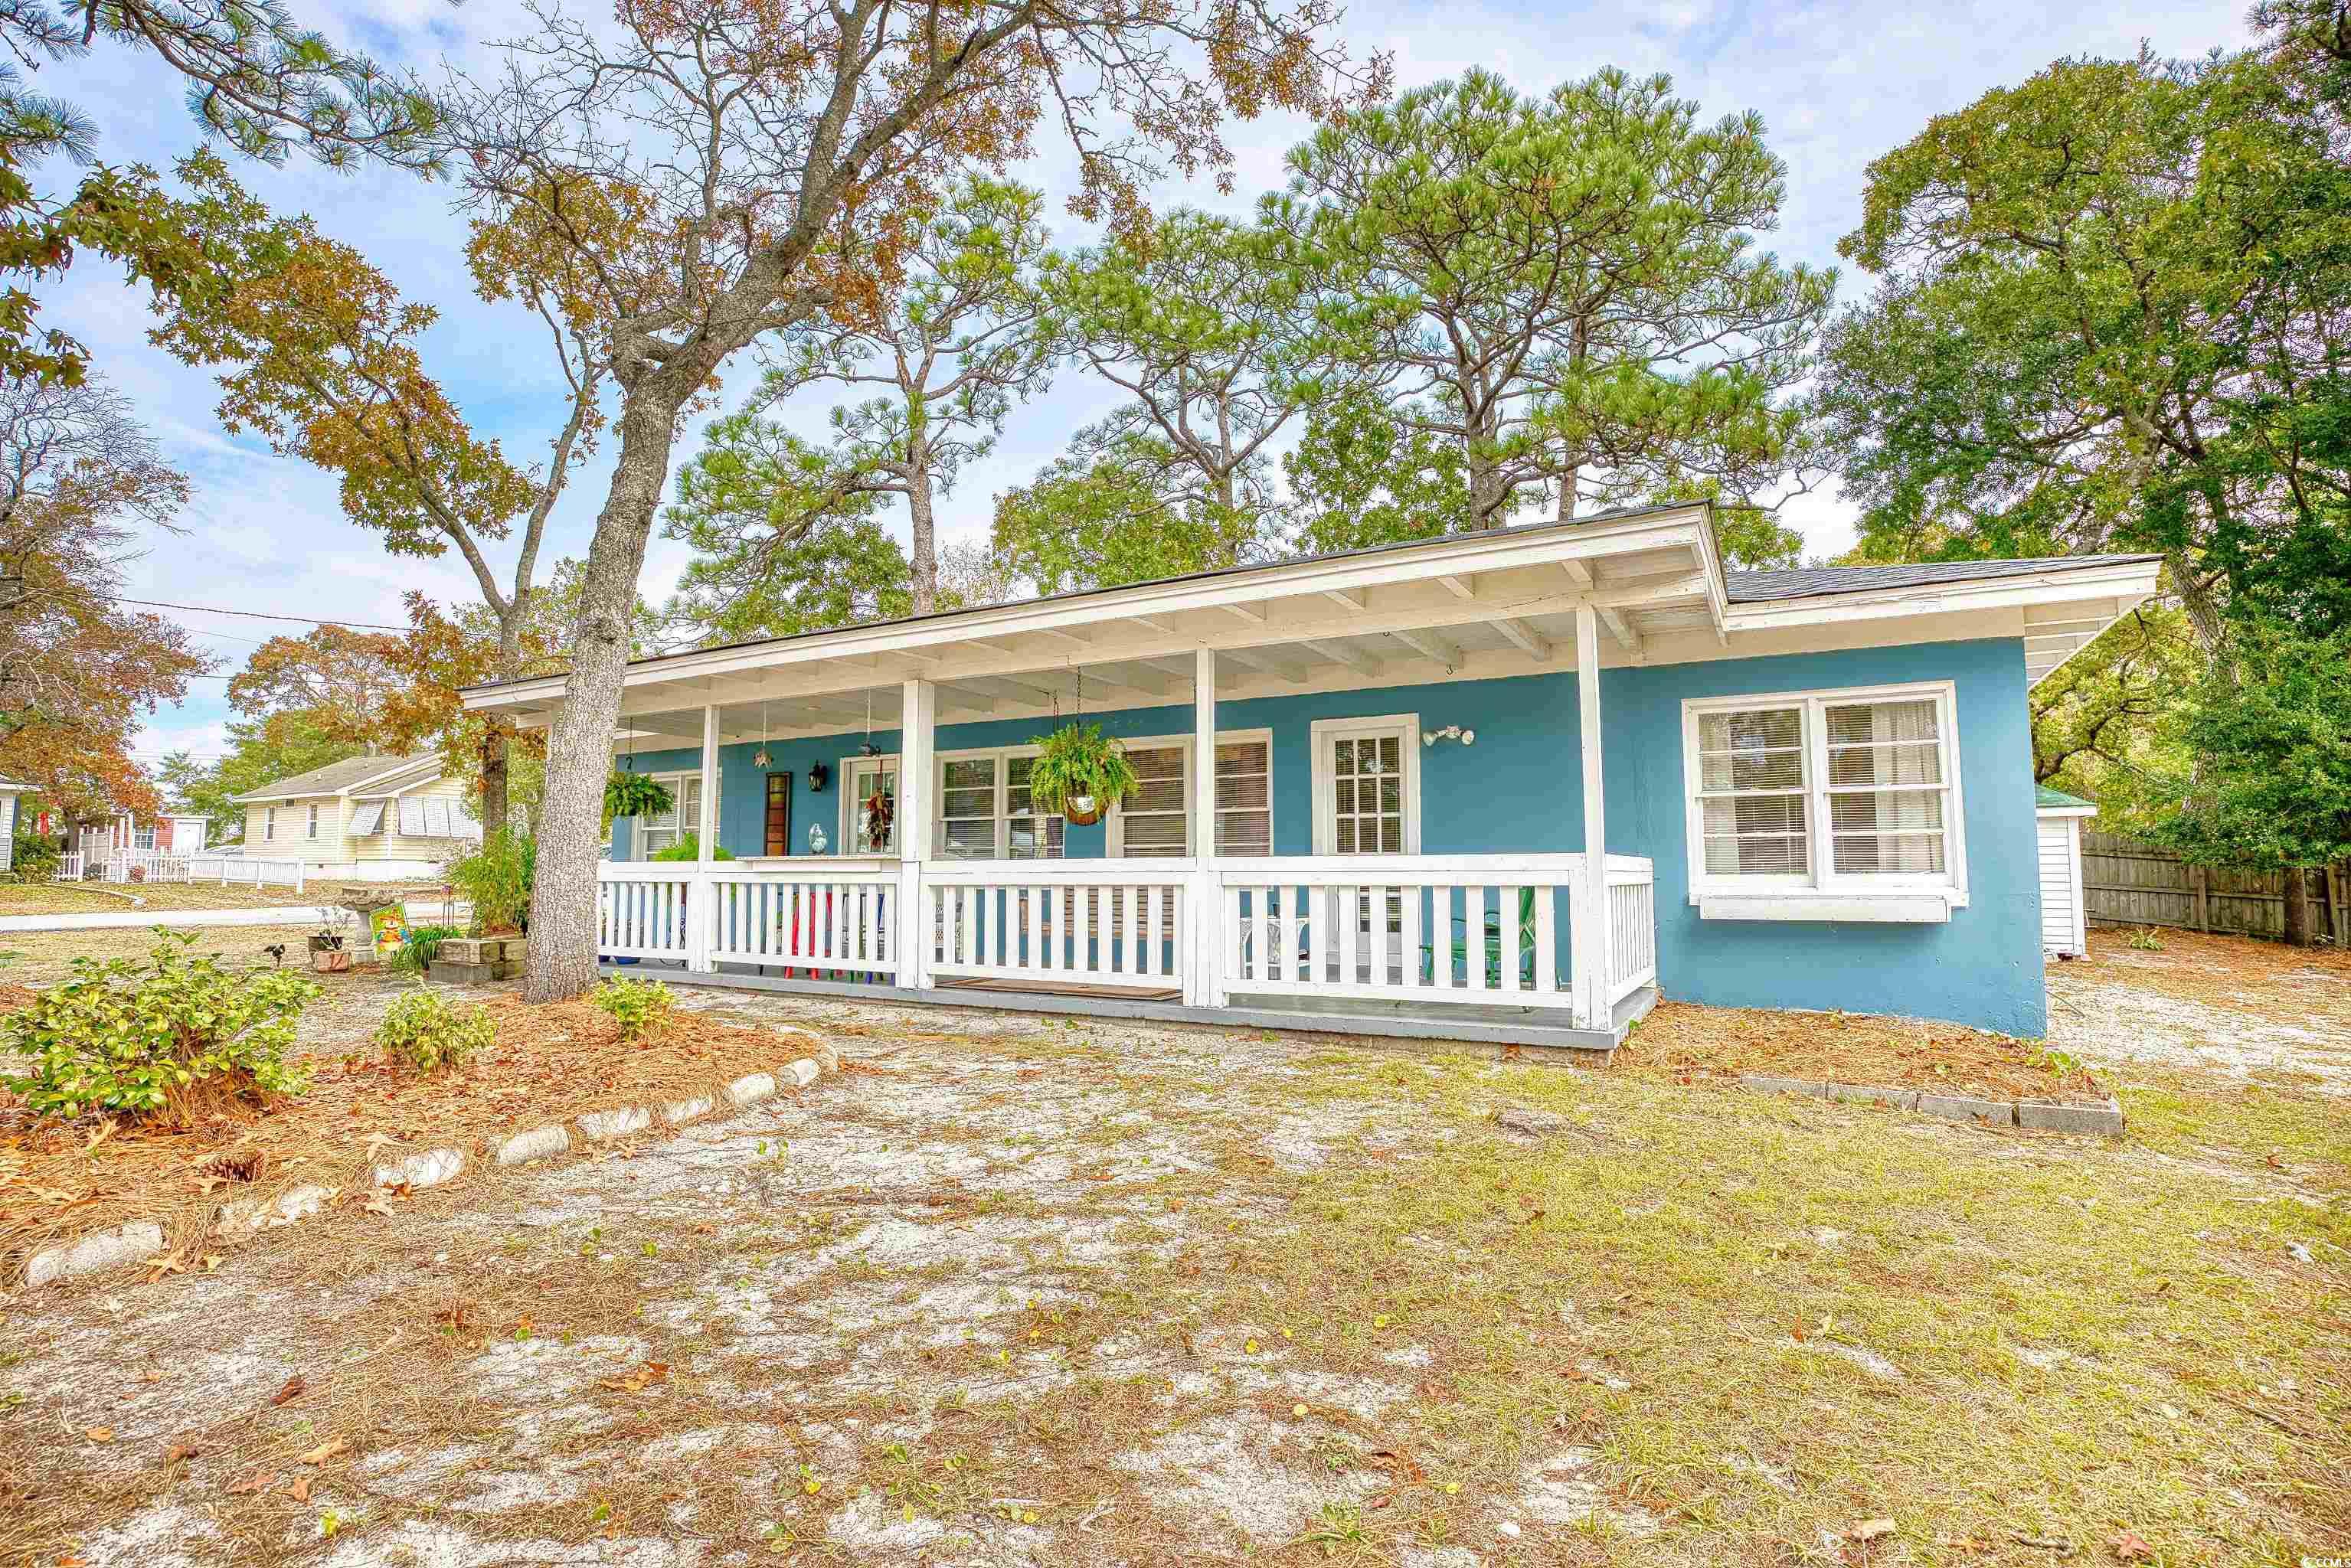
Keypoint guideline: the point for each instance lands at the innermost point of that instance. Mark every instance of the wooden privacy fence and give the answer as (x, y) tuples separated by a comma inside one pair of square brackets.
[(2127, 882)]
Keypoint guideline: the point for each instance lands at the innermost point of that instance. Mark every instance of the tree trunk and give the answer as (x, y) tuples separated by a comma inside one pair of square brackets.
[(494, 779), (918, 504), (580, 743), (2297, 908)]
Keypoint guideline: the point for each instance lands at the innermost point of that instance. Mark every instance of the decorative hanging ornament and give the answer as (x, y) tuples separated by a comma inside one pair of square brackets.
[(759, 757)]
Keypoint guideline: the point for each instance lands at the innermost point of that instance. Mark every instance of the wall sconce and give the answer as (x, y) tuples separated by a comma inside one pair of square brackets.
[(819, 776), (1450, 731)]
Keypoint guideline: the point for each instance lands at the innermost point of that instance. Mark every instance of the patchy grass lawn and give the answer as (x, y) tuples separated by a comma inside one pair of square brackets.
[(111, 898), (1017, 1291)]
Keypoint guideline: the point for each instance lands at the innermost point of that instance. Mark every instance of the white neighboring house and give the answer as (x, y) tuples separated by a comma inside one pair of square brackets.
[(9, 792), (374, 818)]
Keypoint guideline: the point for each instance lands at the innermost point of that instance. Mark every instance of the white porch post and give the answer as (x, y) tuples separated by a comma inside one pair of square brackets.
[(1591, 931), (1202, 938), (700, 906), (918, 712)]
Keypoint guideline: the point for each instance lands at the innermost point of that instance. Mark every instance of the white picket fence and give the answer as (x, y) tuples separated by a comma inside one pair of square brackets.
[(1435, 930), (133, 866)]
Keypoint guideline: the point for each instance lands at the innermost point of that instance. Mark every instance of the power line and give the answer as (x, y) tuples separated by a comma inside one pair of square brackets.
[(258, 615)]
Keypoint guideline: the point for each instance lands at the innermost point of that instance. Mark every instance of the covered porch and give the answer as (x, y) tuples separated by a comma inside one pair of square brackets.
[(1289, 858)]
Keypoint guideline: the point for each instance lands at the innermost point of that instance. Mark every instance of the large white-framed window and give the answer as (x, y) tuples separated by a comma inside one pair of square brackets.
[(1797, 801), (1367, 784), (1155, 821), (655, 833)]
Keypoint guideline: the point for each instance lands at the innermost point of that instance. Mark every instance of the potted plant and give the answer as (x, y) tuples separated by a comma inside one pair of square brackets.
[(1078, 771), (327, 954)]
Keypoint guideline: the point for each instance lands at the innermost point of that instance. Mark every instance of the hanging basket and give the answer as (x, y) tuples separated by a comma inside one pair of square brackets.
[(1078, 771)]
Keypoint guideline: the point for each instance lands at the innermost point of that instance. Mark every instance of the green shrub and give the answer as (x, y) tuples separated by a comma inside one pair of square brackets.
[(178, 1033), (638, 1007), (2146, 939), (36, 856), (689, 848), (427, 1031), (418, 946), (496, 879)]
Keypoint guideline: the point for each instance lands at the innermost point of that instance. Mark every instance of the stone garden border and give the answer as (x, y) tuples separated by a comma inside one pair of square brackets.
[(137, 1242), (2099, 1121)]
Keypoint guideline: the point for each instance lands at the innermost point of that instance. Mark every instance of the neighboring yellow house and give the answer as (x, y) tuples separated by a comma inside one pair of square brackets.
[(376, 818)]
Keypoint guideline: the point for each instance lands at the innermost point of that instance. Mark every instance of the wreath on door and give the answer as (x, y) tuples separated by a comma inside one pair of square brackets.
[(878, 810)]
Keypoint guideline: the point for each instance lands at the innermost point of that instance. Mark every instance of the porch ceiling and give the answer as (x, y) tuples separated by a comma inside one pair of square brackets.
[(1499, 604)]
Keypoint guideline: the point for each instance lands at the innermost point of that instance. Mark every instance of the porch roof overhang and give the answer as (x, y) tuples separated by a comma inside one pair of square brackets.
[(1499, 603)]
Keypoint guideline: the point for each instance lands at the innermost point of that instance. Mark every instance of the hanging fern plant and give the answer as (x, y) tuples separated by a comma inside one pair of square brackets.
[(635, 795), (1078, 771)]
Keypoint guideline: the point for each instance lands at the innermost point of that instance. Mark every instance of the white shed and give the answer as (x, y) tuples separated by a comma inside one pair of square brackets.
[(2064, 919)]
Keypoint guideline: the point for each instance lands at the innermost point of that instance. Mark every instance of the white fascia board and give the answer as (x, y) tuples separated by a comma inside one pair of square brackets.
[(2127, 583), (1459, 555), (2081, 811)]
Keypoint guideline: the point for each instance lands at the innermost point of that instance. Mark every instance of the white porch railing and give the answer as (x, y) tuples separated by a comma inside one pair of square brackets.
[(1093, 923), (1438, 930)]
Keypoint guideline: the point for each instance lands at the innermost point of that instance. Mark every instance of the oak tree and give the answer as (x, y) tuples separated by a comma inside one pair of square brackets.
[(702, 174)]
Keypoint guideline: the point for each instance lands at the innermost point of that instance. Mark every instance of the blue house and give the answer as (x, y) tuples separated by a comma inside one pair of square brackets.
[(1375, 788)]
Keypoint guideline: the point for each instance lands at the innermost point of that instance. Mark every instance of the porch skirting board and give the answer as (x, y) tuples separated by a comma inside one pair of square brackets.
[(1469, 1026)]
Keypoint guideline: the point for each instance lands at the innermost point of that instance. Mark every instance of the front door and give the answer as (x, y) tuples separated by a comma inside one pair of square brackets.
[(871, 796)]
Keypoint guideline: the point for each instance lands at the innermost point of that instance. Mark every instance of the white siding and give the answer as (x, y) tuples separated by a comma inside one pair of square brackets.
[(2062, 925), (419, 807)]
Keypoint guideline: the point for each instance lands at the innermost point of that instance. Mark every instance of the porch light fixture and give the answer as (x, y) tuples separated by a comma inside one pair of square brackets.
[(819, 776), (1450, 731)]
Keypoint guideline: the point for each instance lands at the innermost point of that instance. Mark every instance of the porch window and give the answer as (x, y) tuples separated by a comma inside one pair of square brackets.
[(1155, 822), (1029, 834), (143, 838), (655, 833), (1851, 793)]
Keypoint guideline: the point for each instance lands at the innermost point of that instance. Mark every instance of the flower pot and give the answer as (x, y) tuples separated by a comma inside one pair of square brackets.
[(1082, 809), (330, 961)]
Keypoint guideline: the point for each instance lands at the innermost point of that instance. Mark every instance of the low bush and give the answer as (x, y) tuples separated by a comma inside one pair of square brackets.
[(418, 946), (177, 1034), (496, 879), (38, 855), (689, 848), (428, 1032), (640, 1006)]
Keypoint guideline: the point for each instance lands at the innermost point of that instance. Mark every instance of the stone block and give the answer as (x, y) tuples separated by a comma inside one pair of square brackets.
[(750, 1089), (1863, 1094), (2086, 1121), (1767, 1085), (133, 1243), (1967, 1108), (534, 1144), (685, 1110), (803, 1072), (617, 1124), (430, 1168)]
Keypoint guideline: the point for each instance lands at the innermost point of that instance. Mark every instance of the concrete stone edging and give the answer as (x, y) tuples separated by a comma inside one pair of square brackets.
[(2035, 1115), (136, 1242)]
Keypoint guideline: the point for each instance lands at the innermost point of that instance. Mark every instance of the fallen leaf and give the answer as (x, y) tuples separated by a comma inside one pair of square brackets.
[(2128, 1548), (101, 1434), (638, 1380), (179, 1451), (1871, 1528), (259, 1479), (301, 1491), (326, 1450), (376, 1205), (293, 1390)]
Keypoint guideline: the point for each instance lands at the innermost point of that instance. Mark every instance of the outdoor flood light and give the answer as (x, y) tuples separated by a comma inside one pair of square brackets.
[(1450, 731)]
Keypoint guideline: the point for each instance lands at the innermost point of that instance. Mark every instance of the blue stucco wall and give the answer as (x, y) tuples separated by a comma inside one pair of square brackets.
[(1520, 788)]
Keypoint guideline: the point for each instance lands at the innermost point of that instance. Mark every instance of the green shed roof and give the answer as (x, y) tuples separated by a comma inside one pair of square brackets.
[(2047, 798)]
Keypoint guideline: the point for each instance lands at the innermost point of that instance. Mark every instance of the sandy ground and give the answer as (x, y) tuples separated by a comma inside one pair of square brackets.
[(2224, 1005), (830, 1280), (114, 898)]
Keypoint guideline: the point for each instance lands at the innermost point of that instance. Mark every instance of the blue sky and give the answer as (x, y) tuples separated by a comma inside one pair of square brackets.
[(1837, 83)]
